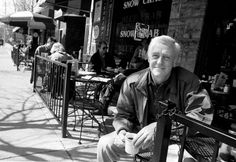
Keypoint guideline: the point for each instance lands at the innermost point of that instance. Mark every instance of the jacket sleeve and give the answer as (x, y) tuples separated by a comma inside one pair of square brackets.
[(135, 55), (113, 63), (94, 64), (110, 61), (125, 107), (198, 104), (37, 51)]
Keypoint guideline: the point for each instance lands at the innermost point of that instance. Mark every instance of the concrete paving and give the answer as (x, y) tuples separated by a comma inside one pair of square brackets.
[(28, 131)]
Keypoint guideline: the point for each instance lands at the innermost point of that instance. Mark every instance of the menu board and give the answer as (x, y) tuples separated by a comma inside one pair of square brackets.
[(97, 11), (105, 20)]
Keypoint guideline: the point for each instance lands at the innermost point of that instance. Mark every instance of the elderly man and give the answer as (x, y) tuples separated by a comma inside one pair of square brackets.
[(138, 103)]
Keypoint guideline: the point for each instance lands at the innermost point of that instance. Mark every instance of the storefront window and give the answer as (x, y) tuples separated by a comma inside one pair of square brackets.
[(133, 16)]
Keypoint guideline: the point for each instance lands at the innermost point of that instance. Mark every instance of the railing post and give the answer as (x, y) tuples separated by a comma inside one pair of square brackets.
[(34, 71), (66, 99), (18, 58), (163, 131)]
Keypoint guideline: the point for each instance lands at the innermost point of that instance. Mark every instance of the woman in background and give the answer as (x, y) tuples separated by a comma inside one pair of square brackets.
[(58, 53)]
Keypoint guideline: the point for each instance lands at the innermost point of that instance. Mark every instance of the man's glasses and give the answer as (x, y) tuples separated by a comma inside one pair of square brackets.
[(104, 48)]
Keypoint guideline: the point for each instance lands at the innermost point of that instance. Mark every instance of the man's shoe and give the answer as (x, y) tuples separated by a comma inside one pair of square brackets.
[(97, 112), (100, 112), (43, 90)]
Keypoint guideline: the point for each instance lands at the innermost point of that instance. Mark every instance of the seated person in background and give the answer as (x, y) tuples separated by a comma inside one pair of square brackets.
[(58, 53), (138, 102), (40, 50), (46, 47), (139, 58), (26, 50), (102, 61)]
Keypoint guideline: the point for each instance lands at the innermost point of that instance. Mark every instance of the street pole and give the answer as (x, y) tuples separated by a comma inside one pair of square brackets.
[(4, 35), (90, 27)]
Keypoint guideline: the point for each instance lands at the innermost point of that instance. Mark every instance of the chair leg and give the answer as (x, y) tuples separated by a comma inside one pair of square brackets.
[(216, 150), (104, 125), (81, 126), (181, 152), (135, 158), (92, 119), (75, 119)]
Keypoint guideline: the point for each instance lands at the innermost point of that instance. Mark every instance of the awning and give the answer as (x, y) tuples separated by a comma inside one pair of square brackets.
[(81, 7), (66, 15), (38, 9), (27, 19), (45, 3), (63, 16), (16, 29)]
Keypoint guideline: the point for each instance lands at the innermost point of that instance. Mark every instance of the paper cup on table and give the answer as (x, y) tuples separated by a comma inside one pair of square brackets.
[(129, 147), (116, 70)]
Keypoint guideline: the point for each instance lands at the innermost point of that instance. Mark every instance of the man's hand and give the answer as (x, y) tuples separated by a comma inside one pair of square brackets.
[(145, 136), (119, 77), (120, 138)]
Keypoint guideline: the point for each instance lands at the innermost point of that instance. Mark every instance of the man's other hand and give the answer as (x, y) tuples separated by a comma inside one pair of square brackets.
[(145, 136)]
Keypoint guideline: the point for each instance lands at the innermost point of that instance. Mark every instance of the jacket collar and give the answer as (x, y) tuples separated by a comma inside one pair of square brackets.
[(145, 79), (142, 81)]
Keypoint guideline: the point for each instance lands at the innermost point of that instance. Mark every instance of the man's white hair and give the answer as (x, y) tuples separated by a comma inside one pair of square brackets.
[(168, 41), (57, 47)]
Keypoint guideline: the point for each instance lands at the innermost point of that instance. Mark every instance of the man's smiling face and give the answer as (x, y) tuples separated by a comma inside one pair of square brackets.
[(161, 60)]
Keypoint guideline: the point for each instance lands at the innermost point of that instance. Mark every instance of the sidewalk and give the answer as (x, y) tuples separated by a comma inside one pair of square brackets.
[(28, 130)]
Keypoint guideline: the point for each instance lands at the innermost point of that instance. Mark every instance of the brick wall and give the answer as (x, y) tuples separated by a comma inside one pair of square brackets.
[(185, 25)]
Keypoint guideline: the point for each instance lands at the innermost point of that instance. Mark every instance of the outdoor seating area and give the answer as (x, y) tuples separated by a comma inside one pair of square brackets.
[(140, 81), (203, 145), (72, 98), (77, 98)]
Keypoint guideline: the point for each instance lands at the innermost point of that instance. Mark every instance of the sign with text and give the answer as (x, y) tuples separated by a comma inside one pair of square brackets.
[(134, 3), (97, 11), (141, 31)]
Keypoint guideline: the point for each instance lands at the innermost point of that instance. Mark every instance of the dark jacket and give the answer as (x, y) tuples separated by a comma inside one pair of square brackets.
[(42, 49), (96, 62), (182, 88)]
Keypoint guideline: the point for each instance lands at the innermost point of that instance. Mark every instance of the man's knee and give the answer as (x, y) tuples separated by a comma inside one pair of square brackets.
[(106, 141)]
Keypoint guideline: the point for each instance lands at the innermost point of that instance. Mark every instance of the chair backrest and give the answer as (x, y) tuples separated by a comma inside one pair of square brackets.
[(163, 134)]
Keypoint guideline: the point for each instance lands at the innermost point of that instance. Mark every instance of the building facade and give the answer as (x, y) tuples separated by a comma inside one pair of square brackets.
[(201, 27), (130, 21)]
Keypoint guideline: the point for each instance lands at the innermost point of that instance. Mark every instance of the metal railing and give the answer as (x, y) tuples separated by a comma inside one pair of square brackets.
[(52, 83), (164, 130), (19, 57)]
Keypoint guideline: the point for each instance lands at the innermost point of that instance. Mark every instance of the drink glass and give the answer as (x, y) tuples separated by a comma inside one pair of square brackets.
[(129, 147)]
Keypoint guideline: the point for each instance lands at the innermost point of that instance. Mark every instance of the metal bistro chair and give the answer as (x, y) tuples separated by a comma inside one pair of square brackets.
[(201, 147), (86, 100)]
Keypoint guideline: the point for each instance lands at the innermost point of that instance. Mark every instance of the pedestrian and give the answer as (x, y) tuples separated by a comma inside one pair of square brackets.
[(139, 97)]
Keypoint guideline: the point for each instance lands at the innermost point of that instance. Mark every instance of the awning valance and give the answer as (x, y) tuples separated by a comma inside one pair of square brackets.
[(67, 15), (81, 7), (27, 19)]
